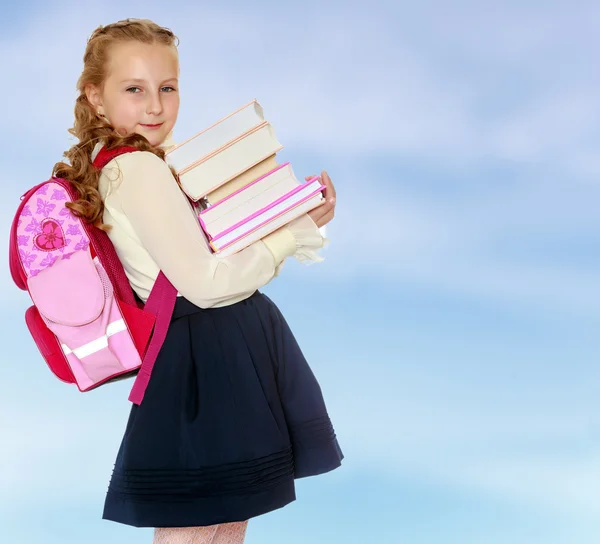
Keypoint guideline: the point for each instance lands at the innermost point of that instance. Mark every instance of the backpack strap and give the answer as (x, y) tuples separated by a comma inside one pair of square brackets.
[(160, 303), (102, 244), (104, 156)]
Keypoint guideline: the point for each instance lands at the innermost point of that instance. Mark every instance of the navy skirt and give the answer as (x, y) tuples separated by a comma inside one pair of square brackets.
[(231, 416)]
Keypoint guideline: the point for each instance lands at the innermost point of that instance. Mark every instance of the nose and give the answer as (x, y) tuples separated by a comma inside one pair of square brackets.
[(154, 106)]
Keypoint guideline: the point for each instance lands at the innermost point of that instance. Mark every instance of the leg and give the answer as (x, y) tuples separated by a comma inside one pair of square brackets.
[(231, 533), (185, 535)]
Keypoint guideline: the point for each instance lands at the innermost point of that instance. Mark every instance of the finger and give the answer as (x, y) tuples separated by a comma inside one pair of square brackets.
[(309, 177), (327, 181), (329, 196), (327, 189), (330, 189)]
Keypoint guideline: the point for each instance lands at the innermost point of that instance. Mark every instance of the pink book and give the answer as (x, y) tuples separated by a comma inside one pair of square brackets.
[(250, 199), (302, 199)]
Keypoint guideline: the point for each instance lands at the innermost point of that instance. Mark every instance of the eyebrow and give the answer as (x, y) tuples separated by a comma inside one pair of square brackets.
[(138, 80)]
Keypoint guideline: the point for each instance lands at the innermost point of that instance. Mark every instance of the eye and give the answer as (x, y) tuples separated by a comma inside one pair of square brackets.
[(133, 89), (168, 89)]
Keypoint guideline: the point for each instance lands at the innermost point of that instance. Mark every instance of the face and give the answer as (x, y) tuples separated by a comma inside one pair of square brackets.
[(141, 91)]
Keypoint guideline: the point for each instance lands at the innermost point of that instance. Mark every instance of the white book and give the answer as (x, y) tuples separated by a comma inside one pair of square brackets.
[(248, 200), (273, 214), (216, 136), (209, 173), (274, 224)]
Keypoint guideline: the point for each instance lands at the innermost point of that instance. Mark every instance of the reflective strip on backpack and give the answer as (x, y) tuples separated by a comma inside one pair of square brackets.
[(97, 344)]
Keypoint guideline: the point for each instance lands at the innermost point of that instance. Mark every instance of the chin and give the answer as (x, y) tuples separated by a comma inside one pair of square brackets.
[(154, 137), (154, 141)]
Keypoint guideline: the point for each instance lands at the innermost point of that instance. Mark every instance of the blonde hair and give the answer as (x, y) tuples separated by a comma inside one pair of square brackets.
[(89, 127)]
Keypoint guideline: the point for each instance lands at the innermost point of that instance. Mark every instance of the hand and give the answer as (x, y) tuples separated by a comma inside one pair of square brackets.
[(325, 212)]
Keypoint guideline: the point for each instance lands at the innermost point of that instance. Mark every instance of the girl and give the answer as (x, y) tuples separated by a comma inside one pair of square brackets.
[(232, 413)]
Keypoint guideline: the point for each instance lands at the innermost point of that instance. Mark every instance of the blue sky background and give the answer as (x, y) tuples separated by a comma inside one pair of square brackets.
[(454, 324)]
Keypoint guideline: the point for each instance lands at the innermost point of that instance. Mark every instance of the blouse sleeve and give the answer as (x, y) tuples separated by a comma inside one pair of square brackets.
[(309, 238), (166, 225)]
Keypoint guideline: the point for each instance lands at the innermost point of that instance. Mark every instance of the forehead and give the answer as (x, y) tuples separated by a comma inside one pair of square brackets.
[(136, 60)]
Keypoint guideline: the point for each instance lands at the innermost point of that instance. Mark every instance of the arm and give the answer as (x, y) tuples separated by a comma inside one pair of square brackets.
[(166, 225)]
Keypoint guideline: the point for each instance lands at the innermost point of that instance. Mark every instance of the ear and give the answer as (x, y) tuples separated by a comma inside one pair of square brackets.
[(94, 98)]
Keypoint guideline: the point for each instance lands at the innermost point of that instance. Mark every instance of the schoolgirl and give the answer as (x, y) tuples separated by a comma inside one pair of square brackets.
[(233, 413)]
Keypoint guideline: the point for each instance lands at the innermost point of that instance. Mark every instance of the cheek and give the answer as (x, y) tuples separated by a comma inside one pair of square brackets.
[(173, 106), (125, 113)]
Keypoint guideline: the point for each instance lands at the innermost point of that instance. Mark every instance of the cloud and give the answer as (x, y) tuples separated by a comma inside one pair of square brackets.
[(523, 243), (371, 85), (338, 93), (63, 445), (477, 433), (563, 485)]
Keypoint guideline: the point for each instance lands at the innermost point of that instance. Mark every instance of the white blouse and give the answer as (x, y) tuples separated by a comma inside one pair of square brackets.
[(155, 227)]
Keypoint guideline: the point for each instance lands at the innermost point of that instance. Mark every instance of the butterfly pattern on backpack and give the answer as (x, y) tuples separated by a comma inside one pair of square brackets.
[(47, 230)]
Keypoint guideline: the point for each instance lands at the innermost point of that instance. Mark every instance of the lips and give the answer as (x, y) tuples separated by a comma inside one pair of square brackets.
[(158, 125)]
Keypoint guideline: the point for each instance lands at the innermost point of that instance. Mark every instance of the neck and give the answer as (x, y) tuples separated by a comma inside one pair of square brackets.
[(168, 142)]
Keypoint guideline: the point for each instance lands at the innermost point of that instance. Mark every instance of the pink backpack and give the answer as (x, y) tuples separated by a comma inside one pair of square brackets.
[(85, 319)]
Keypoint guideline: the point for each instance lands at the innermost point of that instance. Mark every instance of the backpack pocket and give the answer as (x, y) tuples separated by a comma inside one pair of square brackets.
[(46, 342), (76, 301)]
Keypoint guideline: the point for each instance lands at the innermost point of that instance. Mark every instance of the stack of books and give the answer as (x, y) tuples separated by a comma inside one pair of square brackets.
[(246, 194)]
